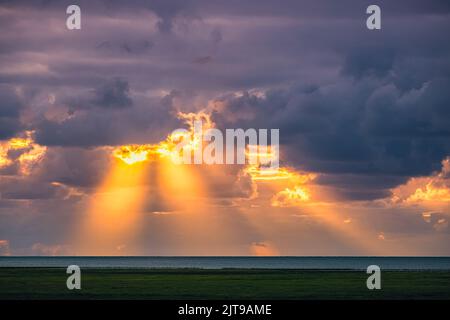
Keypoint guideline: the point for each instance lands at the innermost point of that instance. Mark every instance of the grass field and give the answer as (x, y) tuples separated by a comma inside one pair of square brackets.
[(50, 283)]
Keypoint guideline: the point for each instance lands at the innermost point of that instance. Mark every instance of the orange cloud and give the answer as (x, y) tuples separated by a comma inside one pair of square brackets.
[(4, 248), (435, 188), (22, 150), (131, 154), (290, 197), (430, 192)]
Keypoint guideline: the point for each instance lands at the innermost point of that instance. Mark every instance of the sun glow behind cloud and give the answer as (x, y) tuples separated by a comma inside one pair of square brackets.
[(430, 193), (113, 220), (22, 150), (134, 153), (289, 197), (121, 200), (433, 189), (185, 192)]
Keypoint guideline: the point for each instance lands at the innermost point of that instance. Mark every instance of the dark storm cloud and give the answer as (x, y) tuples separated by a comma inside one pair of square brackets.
[(10, 107), (89, 125), (98, 129), (113, 94), (355, 186), (367, 128), (28, 189), (92, 130), (110, 94), (74, 167), (375, 61), (347, 101)]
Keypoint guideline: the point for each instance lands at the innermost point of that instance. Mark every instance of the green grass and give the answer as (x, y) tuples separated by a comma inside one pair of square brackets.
[(50, 283)]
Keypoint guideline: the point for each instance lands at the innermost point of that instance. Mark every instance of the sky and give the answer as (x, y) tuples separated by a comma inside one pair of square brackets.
[(363, 118)]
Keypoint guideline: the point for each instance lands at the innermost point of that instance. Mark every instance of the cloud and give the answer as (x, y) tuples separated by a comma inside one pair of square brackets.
[(290, 197), (115, 47), (438, 220), (370, 61), (41, 249), (113, 94), (10, 108), (75, 167), (441, 225), (150, 120), (432, 189), (26, 189), (4, 248), (359, 130), (365, 111)]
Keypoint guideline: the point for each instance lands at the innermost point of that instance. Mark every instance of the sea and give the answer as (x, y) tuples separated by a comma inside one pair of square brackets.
[(209, 262)]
